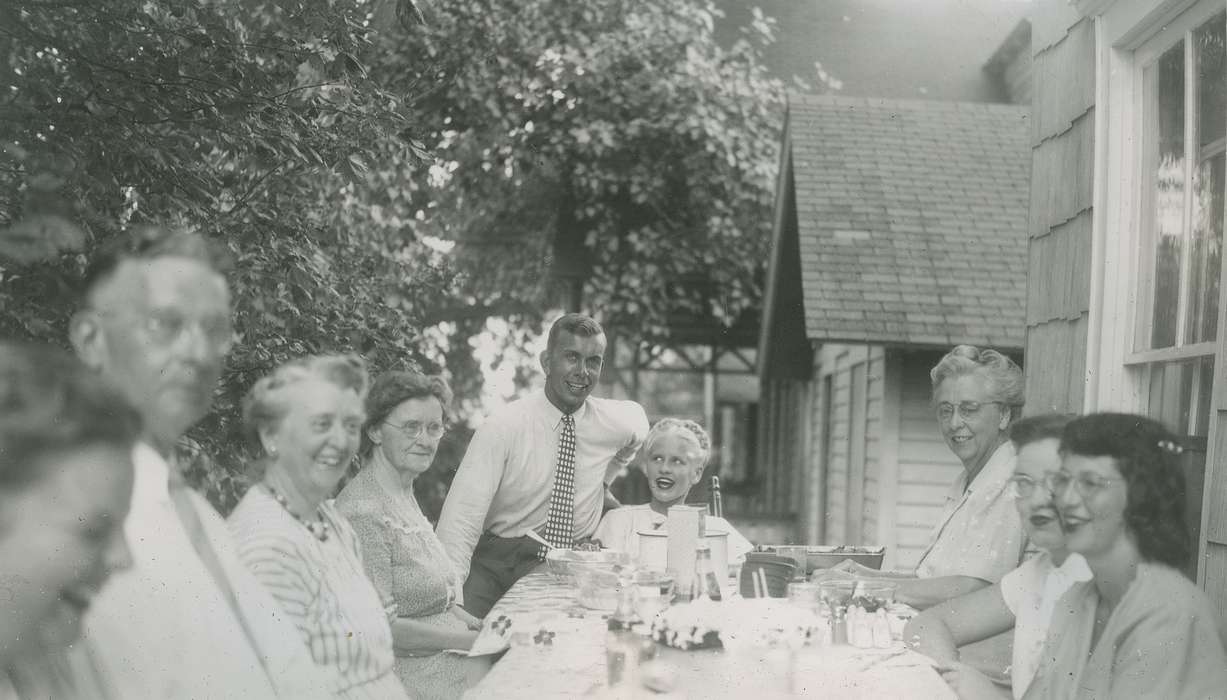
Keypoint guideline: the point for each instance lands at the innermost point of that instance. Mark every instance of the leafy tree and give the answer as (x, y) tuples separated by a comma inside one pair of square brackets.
[(257, 123), (613, 141)]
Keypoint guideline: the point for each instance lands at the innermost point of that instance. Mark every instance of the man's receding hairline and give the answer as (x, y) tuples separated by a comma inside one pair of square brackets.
[(561, 331), (111, 284)]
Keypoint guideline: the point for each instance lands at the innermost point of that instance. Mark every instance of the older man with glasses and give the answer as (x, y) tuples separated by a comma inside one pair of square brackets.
[(188, 620)]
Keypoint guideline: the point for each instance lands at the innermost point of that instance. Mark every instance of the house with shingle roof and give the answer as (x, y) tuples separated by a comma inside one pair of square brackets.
[(900, 231)]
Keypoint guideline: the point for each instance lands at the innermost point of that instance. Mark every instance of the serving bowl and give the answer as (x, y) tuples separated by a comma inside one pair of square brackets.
[(566, 564), (827, 556)]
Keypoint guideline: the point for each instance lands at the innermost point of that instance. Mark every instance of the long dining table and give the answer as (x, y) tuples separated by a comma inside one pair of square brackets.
[(552, 647)]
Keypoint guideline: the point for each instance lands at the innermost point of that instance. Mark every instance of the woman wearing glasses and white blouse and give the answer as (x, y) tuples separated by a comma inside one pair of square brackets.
[(977, 393), (406, 414)]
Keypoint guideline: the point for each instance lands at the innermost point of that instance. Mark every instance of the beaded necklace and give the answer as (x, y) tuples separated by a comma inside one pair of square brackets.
[(318, 528)]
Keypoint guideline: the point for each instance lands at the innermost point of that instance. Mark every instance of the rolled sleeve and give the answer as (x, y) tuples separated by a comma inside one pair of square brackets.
[(468, 501)]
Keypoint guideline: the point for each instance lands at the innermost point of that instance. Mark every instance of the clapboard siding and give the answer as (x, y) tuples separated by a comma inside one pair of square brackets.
[(1061, 213), (926, 465)]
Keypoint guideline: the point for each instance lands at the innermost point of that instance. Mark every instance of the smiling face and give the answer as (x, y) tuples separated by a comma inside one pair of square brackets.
[(972, 438), (61, 539), (410, 456), (159, 330), (1093, 504), (1039, 511), (572, 368), (318, 436), (674, 463)]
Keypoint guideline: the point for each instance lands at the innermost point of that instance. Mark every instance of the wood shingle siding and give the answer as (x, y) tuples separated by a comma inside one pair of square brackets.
[(1062, 190)]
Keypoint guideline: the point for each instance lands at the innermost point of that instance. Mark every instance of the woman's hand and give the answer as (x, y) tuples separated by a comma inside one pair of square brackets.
[(970, 684), (469, 621)]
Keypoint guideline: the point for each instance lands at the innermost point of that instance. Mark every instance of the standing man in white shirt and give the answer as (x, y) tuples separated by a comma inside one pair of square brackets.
[(187, 620), (541, 463)]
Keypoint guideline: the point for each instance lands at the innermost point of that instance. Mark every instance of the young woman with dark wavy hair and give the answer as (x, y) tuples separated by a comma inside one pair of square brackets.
[(1139, 629)]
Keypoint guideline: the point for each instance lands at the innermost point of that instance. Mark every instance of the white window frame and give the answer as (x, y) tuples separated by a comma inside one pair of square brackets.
[(1115, 380), (1128, 33)]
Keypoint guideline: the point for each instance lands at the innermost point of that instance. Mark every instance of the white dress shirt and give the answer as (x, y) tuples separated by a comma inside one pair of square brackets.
[(165, 629), (504, 482)]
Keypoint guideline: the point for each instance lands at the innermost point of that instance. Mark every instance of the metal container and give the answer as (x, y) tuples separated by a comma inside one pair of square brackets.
[(654, 552)]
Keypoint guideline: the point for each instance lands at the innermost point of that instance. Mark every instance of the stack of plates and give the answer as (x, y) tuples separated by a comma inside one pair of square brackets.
[(777, 569)]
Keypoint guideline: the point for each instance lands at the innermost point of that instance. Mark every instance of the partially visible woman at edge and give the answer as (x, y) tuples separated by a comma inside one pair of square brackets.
[(1139, 628), (406, 417), (1024, 599), (66, 444), (976, 395), (306, 417)]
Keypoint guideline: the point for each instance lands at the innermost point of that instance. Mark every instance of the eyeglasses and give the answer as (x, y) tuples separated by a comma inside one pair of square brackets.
[(1087, 485), (1023, 486), (415, 428), (967, 409), (166, 327)]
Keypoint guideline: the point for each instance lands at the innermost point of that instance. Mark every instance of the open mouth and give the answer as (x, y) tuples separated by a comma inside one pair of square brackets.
[(1071, 524), (664, 483), (577, 388), (960, 439), (329, 462)]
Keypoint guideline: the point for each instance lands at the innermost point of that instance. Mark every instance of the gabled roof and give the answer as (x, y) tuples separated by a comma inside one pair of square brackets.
[(911, 220)]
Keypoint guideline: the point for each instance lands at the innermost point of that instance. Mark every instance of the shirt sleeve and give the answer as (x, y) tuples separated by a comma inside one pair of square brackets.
[(468, 500), (637, 428)]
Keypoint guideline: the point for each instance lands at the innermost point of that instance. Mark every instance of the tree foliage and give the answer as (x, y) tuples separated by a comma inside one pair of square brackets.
[(258, 123), (610, 139)]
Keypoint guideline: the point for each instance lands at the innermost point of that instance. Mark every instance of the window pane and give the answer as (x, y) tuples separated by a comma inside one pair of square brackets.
[(1201, 322), (1211, 80), (1179, 395), (1164, 86)]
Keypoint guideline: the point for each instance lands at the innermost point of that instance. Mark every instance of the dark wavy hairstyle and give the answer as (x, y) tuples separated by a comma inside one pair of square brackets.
[(1146, 455), (391, 389), (50, 402)]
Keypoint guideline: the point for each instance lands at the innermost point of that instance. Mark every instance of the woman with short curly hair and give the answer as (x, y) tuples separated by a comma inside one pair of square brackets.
[(977, 394), (306, 418), (1139, 628)]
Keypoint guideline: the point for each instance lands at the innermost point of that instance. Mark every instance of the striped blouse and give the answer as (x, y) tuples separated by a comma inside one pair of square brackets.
[(323, 588)]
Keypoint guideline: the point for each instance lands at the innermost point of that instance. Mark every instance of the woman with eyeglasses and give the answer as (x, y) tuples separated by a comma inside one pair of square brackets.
[(306, 418), (1139, 628), (406, 418), (1024, 599), (979, 538)]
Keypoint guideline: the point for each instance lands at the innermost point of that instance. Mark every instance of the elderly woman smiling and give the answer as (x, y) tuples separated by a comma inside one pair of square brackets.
[(979, 537), (406, 417), (65, 485), (306, 417)]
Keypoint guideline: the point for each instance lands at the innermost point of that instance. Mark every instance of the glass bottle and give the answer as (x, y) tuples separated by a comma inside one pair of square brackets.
[(706, 585), (624, 643)]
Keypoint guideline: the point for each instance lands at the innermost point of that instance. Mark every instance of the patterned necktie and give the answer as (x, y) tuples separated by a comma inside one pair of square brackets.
[(559, 528)]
